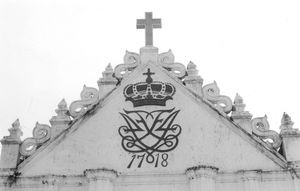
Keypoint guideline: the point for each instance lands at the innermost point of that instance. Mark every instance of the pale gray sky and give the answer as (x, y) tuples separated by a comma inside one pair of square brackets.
[(50, 49)]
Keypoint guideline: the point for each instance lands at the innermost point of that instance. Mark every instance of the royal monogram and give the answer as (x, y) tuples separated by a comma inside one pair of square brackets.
[(149, 135)]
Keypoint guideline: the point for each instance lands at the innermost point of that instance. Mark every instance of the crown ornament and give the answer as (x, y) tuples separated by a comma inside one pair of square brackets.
[(149, 92)]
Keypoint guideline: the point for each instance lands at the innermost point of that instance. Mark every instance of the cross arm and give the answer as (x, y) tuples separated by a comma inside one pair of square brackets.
[(156, 23), (140, 24)]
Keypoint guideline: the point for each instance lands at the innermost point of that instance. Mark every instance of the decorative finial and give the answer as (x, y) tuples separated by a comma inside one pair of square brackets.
[(238, 99), (286, 122), (109, 68), (238, 102), (62, 117), (239, 115), (191, 65), (192, 70), (193, 81), (15, 132), (62, 105), (148, 24), (108, 73), (16, 124), (61, 121), (10, 153), (107, 77)]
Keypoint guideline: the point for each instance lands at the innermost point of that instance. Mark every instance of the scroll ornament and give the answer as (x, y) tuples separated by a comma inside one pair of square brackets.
[(131, 61), (89, 97), (167, 59), (41, 134), (261, 128), (212, 93)]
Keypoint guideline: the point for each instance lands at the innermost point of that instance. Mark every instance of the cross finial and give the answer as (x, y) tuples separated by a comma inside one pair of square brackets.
[(148, 24), (149, 80)]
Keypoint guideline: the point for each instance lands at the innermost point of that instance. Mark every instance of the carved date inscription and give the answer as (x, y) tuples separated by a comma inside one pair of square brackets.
[(158, 159)]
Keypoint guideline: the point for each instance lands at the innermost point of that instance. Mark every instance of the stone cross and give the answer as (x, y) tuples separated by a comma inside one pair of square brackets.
[(148, 24)]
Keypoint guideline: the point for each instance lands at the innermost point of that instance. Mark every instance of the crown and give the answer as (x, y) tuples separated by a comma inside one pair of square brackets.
[(149, 92)]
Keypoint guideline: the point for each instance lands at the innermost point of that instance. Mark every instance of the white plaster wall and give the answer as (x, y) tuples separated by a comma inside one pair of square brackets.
[(231, 186), (156, 187), (282, 185)]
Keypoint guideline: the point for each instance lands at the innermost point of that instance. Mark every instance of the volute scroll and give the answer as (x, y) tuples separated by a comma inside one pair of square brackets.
[(167, 61), (89, 96), (261, 128), (212, 93), (131, 61), (41, 134)]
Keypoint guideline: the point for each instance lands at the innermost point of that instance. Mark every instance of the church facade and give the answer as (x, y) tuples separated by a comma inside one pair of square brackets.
[(152, 125)]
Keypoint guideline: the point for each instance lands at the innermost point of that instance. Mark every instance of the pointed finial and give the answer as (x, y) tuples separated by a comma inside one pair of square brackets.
[(238, 102), (108, 72), (239, 115), (62, 117), (238, 99), (107, 77), (62, 105), (10, 153), (109, 68), (286, 122), (192, 70), (193, 81), (62, 108), (191, 65), (16, 123), (15, 132)]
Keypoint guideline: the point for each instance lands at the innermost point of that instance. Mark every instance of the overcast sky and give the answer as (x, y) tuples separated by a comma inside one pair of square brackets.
[(50, 49)]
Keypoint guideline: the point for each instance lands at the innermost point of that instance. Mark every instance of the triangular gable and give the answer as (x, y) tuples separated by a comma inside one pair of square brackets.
[(205, 138)]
